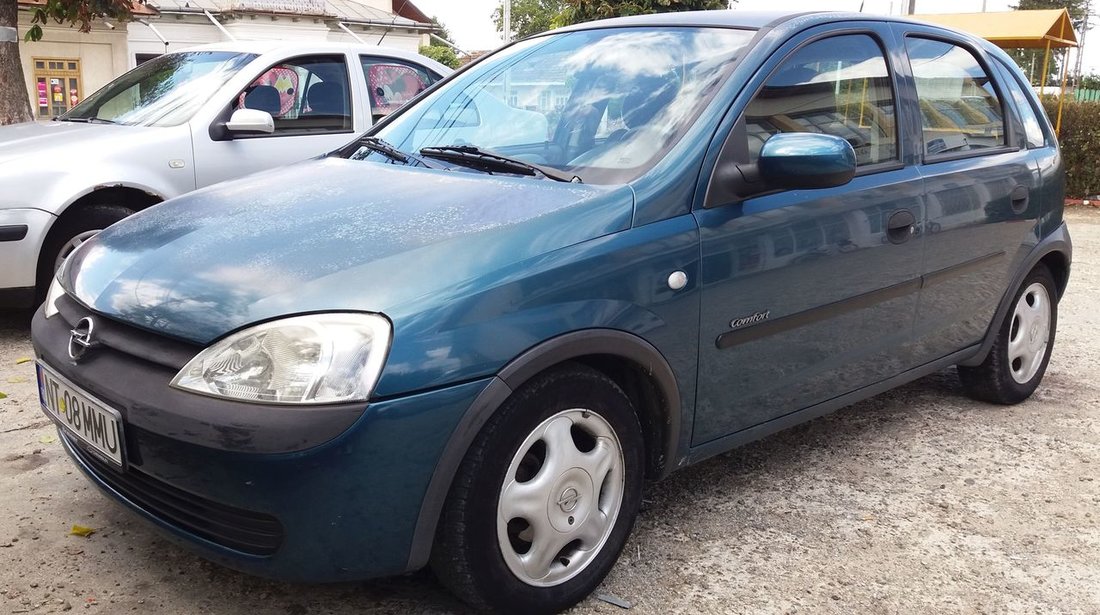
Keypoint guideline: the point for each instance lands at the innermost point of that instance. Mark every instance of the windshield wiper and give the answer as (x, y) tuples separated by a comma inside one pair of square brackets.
[(84, 120), (490, 161), (381, 146)]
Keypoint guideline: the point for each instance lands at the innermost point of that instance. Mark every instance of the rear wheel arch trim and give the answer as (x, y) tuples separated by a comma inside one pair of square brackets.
[(1055, 244), (527, 365)]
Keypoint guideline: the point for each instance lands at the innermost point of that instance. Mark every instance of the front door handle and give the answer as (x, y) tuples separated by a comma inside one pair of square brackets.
[(901, 226)]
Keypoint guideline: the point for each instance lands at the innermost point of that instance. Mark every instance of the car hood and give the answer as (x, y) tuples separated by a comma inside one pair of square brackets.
[(29, 140), (328, 234)]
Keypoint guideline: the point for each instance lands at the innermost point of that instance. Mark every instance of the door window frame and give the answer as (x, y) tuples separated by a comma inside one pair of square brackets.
[(217, 129), (914, 104), (734, 149)]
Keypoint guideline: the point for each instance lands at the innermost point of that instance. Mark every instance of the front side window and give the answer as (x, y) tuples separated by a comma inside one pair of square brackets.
[(165, 91), (303, 95), (605, 105), (959, 107), (838, 86)]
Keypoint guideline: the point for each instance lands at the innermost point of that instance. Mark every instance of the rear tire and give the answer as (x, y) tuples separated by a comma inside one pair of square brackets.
[(1020, 353), (546, 497)]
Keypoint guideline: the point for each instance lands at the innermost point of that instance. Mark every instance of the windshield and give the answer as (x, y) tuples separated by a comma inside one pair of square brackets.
[(603, 105), (165, 91)]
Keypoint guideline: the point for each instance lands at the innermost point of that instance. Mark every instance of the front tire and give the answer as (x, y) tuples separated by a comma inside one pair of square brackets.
[(546, 497), (72, 230), (1020, 353)]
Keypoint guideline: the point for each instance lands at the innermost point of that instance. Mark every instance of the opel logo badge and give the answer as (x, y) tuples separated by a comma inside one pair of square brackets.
[(569, 500), (80, 338)]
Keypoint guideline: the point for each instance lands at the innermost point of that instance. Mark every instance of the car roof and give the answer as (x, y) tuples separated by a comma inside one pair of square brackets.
[(262, 47), (288, 48), (757, 20)]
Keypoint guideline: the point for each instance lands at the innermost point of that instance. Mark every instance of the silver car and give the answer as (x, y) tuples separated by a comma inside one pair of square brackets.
[(183, 121)]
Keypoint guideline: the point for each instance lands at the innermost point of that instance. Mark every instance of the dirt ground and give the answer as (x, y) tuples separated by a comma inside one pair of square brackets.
[(918, 500)]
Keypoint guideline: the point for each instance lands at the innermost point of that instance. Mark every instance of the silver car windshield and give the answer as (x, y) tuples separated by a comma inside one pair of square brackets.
[(165, 91), (604, 105)]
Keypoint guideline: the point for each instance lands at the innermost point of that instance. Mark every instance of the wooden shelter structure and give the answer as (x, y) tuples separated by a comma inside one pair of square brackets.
[(1040, 29)]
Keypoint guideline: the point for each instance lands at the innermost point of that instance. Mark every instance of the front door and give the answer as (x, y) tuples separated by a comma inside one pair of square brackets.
[(809, 294), (310, 99)]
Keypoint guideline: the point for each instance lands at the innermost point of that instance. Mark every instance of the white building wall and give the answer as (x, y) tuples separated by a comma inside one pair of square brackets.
[(180, 32), (184, 31)]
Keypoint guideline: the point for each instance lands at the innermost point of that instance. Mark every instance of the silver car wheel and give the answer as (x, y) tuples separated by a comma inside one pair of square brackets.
[(72, 244), (1030, 333), (560, 498)]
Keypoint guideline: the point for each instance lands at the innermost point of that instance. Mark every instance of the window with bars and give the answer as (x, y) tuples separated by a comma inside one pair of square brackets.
[(57, 86)]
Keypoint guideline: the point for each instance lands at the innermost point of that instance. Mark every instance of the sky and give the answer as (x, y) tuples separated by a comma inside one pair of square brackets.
[(471, 24)]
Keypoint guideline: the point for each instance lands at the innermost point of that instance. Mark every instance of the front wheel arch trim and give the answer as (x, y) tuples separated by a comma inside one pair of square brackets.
[(587, 342)]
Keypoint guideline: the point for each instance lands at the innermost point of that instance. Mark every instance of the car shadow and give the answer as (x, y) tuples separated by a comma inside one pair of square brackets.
[(14, 321), (687, 499)]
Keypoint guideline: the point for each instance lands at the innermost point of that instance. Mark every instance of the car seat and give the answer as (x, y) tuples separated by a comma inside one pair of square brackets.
[(264, 98)]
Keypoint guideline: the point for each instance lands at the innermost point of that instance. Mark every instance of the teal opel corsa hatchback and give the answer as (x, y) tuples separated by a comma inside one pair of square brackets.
[(592, 258)]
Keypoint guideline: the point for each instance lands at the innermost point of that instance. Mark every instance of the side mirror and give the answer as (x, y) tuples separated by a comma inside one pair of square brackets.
[(806, 160), (250, 122)]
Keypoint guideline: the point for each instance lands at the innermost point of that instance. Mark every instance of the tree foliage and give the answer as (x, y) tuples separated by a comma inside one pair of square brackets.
[(530, 17), (442, 54), (80, 13), (579, 11)]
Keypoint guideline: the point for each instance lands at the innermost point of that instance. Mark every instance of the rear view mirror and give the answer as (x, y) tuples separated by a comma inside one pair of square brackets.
[(806, 160), (250, 122)]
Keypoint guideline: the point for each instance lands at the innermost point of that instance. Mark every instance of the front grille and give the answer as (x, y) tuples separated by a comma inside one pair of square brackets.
[(128, 339), (235, 528)]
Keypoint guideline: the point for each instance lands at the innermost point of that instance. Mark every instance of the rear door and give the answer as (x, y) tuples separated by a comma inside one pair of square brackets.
[(808, 294), (981, 189)]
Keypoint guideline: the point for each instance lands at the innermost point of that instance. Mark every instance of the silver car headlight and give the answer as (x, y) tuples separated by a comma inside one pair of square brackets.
[(313, 359), (49, 308)]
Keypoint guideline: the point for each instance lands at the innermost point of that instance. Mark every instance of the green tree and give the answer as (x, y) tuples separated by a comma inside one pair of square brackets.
[(438, 51), (1031, 60), (442, 54), (579, 11), (15, 104), (530, 17)]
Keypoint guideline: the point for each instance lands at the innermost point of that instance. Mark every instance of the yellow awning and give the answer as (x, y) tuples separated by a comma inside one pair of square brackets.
[(1012, 29)]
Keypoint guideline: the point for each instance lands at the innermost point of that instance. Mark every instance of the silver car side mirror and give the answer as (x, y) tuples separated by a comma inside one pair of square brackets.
[(250, 121)]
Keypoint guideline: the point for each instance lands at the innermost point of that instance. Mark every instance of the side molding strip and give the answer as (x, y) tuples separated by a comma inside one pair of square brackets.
[(767, 328)]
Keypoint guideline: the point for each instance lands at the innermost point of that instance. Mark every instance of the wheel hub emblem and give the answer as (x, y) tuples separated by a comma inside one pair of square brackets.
[(569, 500)]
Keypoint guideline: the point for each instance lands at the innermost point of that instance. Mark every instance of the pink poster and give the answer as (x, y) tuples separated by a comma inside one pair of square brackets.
[(43, 97)]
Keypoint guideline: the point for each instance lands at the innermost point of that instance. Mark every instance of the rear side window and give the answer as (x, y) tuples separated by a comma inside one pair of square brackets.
[(393, 83), (838, 86), (1033, 131), (959, 107)]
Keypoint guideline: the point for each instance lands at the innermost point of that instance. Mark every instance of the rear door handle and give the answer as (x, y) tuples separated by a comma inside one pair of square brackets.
[(901, 226), (1020, 197)]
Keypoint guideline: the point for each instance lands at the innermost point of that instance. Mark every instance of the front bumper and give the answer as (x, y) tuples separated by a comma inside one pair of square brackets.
[(345, 509), (22, 232)]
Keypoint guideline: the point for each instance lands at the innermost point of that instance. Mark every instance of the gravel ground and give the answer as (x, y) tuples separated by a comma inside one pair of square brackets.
[(918, 500)]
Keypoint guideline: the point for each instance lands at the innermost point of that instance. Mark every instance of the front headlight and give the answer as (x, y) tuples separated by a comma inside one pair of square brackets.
[(314, 359), (56, 292)]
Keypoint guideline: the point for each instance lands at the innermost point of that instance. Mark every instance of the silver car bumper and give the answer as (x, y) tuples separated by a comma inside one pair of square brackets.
[(22, 232)]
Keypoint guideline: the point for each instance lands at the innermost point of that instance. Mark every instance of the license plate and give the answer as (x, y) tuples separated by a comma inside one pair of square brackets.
[(81, 415)]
